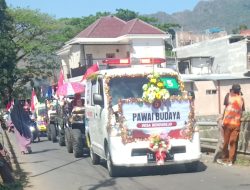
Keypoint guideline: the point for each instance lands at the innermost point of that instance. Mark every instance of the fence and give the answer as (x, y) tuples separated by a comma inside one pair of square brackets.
[(211, 135)]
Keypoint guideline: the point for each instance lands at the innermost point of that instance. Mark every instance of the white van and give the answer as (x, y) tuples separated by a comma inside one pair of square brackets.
[(127, 127)]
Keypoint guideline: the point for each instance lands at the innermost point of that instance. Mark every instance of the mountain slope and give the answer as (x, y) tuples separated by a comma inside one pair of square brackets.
[(226, 14)]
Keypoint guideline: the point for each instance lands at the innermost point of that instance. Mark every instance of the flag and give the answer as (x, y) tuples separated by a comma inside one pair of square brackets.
[(10, 105), (89, 71), (49, 92), (34, 100), (61, 79)]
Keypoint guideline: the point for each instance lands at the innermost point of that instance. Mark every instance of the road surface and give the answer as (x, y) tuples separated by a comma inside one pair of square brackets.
[(50, 167)]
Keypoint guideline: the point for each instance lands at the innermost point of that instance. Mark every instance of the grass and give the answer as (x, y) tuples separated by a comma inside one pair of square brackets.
[(20, 176), (243, 160), (14, 186)]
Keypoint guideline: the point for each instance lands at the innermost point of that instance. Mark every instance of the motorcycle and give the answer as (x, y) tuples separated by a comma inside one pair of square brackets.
[(35, 134)]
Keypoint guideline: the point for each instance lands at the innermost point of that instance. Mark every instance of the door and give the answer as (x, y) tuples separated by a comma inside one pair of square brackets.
[(100, 120), (94, 114)]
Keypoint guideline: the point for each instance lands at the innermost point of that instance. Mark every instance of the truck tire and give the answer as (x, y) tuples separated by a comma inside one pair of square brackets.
[(95, 159), (113, 170), (68, 140), (61, 136), (77, 143), (53, 133), (49, 133)]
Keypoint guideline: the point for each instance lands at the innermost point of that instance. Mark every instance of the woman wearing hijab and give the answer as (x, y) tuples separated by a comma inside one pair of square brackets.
[(21, 120)]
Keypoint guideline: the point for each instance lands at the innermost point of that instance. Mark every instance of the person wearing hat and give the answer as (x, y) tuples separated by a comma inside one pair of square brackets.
[(231, 124)]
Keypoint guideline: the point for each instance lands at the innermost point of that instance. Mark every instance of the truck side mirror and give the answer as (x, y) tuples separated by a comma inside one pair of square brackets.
[(98, 99)]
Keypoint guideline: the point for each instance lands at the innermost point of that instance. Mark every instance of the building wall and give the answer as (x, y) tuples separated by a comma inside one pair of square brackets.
[(100, 51), (228, 57), (143, 48), (206, 99), (207, 103), (225, 86), (137, 48)]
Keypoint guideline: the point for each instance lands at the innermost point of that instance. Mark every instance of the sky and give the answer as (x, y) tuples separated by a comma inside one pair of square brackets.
[(81, 8)]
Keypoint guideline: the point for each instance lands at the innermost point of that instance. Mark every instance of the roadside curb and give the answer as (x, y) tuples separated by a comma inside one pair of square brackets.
[(18, 172), (10, 148)]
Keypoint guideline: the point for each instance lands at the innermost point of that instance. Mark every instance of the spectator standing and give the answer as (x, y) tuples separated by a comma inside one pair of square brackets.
[(21, 120), (234, 106)]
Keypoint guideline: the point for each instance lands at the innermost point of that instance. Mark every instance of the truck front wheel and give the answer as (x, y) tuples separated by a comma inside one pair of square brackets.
[(68, 140), (48, 132), (77, 143), (113, 170), (53, 132), (61, 136), (95, 159)]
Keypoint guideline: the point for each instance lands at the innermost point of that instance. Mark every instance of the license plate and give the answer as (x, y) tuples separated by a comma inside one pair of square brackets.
[(151, 157)]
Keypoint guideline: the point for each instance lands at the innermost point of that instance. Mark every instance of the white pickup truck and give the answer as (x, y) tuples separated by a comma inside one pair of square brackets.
[(140, 116)]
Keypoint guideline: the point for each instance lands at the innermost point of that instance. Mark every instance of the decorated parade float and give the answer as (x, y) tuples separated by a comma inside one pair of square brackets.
[(141, 116)]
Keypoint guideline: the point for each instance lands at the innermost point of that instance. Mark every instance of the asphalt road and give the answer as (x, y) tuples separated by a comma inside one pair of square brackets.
[(50, 167)]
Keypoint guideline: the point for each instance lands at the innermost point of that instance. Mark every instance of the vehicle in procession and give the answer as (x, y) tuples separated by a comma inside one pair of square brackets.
[(41, 118), (140, 115), (75, 138), (51, 106), (66, 123)]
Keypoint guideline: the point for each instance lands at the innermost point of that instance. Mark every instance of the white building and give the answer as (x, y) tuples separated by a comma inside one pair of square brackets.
[(111, 37), (227, 54)]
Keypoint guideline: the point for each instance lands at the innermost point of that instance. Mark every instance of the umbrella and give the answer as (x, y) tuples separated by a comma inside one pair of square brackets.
[(70, 88)]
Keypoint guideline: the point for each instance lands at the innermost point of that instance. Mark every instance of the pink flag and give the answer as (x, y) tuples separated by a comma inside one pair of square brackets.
[(90, 70), (34, 100), (10, 105), (61, 79)]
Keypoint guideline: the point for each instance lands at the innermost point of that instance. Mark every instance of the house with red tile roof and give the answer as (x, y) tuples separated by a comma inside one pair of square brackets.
[(111, 37)]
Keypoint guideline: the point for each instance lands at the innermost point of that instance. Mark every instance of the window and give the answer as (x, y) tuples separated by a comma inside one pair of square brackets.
[(211, 92), (110, 55), (89, 58), (100, 86), (123, 88), (94, 89)]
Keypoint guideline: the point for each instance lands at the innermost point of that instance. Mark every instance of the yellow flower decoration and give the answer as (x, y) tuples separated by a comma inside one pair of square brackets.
[(153, 80), (154, 89), (160, 84)]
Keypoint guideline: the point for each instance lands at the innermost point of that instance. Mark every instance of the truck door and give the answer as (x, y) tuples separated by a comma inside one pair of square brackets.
[(99, 117), (93, 114)]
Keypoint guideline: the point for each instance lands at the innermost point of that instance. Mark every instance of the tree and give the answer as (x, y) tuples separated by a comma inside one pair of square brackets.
[(241, 27), (35, 37), (7, 54), (126, 14)]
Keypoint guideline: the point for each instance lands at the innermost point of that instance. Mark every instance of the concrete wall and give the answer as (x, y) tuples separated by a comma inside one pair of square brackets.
[(148, 48), (209, 104), (228, 57)]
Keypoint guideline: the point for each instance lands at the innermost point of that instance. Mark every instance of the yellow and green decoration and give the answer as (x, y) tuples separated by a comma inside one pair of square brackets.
[(156, 88)]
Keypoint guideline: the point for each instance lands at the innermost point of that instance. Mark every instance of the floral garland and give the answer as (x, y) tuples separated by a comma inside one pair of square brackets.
[(159, 144), (154, 89)]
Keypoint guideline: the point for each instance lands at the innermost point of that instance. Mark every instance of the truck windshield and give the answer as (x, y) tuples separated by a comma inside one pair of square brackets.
[(41, 111), (123, 88)]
